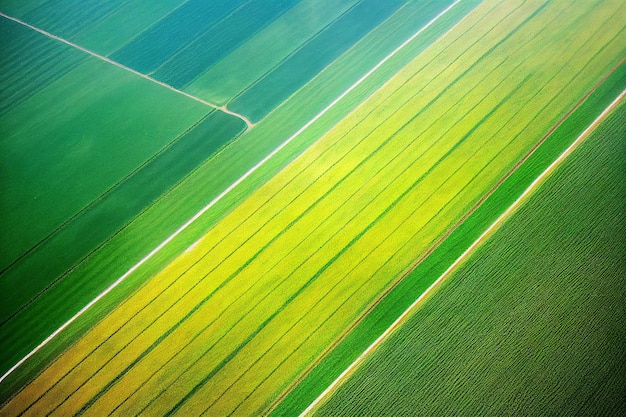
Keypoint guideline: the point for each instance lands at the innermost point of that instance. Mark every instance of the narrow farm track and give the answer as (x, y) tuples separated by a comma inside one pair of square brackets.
[(469, 251), (235, 320), (249, 124)]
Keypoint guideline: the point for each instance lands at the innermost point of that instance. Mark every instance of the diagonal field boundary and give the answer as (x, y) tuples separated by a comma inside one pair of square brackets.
[(223, 193), (493, 227), (249, 124)]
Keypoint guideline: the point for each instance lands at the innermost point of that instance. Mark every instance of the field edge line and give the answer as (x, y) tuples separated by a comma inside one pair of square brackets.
[(491, 229)]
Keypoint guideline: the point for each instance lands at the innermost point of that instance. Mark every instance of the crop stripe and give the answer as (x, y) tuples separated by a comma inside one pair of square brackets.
[(329, 238), (365, 282), (381, 145), (197, 282), (342, 250), (482, 199)]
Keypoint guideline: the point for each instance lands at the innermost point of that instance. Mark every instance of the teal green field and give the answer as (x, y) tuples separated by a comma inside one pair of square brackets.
[(216, 207)]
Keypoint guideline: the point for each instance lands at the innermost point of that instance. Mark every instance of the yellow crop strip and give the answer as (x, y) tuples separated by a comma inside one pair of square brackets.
[(243, 313)]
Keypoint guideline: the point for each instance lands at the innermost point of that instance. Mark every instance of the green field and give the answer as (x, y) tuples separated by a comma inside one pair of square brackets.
[(213, 49), (532, 322), (50, 155), (81, 273), (76, 138), (264, 299), (234, 321)]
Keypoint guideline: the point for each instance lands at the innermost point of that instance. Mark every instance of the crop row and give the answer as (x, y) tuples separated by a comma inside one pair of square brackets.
[(339, 241)]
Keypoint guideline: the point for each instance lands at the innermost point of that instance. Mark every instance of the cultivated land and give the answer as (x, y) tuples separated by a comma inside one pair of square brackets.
[(73, 174), (50, 153), (76, 138), (80, 272), (532, 323), (229, 325), (380, 316)]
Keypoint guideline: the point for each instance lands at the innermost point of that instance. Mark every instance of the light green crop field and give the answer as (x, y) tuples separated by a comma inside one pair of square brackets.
[(532, 322), (237, 318)]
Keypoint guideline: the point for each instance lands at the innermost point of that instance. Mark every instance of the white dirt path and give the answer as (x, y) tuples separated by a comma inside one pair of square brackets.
[(493, 227), (249, 124)]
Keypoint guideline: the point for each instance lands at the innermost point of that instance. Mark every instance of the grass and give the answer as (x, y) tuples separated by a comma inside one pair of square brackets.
[(133, 241), (532, 323), (271, 271)]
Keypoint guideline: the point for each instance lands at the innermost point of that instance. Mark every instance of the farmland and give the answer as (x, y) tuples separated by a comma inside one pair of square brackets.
[(54, 185), (111, 246), (235, 320), (320, 161), (532, 323), (199, 46), (381, 316)]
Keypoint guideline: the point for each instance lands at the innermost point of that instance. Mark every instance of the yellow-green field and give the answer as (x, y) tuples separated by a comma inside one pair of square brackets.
[(235, 320)]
